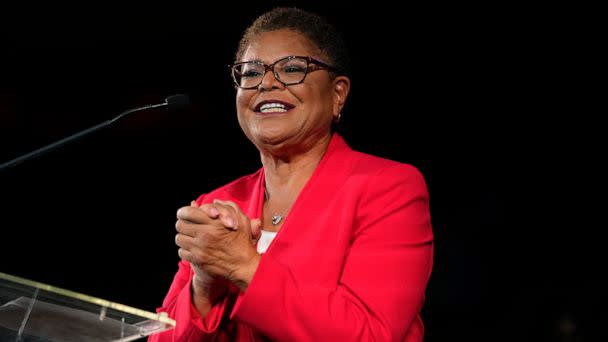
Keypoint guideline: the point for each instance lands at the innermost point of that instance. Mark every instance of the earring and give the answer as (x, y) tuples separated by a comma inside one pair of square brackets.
[(336, 120)]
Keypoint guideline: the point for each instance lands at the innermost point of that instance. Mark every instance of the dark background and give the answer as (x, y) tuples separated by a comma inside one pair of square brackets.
[(468, 94)]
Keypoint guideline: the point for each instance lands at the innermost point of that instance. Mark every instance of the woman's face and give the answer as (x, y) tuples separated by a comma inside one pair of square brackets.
[(289, 117)]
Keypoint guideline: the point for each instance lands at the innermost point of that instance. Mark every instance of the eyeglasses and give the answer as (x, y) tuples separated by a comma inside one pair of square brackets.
[(287, 70)]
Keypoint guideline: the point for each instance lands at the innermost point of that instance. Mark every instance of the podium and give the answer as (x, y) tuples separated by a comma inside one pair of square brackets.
[(33, 311)]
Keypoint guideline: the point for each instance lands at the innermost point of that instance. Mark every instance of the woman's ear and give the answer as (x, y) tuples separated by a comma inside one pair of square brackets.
[(341, 89)]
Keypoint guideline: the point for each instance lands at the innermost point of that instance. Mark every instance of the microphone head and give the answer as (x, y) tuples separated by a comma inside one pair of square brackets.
[(177, 101)]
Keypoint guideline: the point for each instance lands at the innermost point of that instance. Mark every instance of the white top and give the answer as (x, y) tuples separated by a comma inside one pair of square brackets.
[(265, 240)]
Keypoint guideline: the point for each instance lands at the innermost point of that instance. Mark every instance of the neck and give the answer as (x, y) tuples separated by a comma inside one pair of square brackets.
[(284, 179), (288, 174)]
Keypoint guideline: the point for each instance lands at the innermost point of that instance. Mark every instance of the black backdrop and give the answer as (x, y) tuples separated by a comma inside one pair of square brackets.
[(463, 93)]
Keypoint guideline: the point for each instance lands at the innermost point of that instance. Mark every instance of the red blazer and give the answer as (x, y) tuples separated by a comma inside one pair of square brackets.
[(350, 263)]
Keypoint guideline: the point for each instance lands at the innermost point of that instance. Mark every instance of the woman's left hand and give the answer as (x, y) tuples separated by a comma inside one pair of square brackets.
[(228, 251)]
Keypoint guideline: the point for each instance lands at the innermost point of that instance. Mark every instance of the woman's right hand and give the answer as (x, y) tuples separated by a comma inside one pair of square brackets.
[(207, 289)]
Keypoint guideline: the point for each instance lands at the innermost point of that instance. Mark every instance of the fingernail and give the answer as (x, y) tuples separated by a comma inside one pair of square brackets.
[(230, 223), (213, 212)]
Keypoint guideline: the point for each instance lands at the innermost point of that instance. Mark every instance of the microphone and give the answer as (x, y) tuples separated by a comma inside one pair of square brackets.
[(172, 102)]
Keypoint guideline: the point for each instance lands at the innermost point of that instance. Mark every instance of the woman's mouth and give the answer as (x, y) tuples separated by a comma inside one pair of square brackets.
[(269, 107)]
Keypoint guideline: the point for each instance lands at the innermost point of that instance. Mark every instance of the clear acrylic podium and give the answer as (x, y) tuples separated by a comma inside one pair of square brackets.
[(32, 311)]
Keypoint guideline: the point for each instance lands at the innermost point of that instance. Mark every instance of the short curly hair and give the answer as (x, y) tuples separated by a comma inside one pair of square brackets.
[(316, 28)]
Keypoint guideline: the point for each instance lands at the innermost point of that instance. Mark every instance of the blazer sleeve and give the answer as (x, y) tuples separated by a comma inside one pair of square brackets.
[(381, 289), (190, 326)]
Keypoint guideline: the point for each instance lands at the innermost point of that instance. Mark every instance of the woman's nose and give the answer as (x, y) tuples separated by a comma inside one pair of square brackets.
[(269, 81)]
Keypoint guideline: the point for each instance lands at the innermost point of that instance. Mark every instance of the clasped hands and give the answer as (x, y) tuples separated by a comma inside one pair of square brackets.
[(219, 241)]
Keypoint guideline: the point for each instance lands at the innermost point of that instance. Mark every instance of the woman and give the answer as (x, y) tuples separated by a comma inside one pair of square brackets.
[(346, 242)]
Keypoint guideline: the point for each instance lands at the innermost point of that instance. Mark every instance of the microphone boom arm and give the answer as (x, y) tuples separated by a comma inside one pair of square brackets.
[(75, 136), (53, 146)]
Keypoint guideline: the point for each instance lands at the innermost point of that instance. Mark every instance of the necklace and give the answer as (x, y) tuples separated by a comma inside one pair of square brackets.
[(276, 218)]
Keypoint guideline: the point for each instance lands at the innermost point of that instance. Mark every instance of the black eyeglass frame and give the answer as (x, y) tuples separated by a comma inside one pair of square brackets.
[(310, 60)]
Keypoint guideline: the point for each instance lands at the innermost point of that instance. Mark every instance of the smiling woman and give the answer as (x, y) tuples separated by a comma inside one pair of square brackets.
[(310, 102), (301, 239)]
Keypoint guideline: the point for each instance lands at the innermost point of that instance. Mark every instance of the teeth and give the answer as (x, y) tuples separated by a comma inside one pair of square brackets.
[(272, 108)]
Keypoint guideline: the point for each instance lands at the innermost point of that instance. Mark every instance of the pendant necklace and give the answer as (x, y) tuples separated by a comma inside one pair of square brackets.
[(276, 218)]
